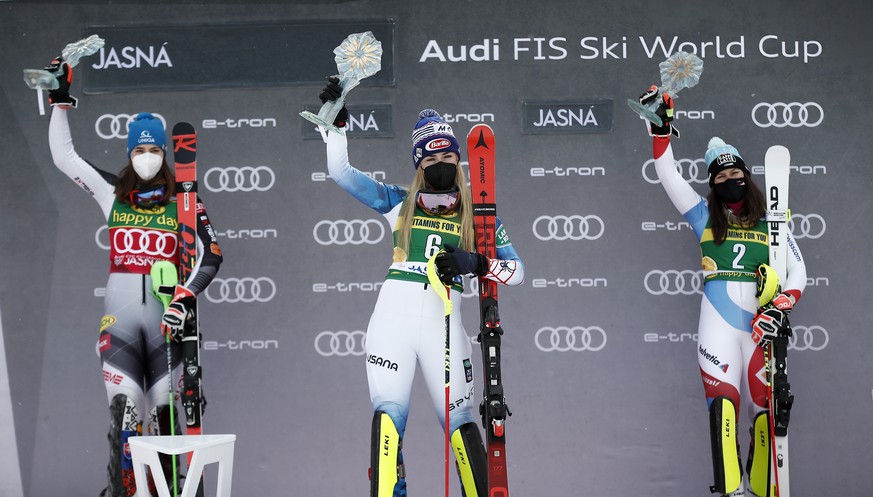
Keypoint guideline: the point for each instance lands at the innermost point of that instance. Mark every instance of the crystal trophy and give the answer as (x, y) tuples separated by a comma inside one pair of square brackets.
[(359, 56), (40, 79), (680, 70)]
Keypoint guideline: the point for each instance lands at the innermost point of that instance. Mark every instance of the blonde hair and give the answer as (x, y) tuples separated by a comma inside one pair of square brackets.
[(465, 211)]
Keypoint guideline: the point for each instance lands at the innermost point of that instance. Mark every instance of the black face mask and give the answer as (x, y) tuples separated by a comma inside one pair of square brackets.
[(440, 176), (731, 191)]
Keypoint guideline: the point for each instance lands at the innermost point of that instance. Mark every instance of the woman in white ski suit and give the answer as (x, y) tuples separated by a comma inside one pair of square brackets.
[(733, 237), (408, 325)]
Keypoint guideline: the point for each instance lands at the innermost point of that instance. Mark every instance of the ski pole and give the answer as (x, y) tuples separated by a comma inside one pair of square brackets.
[(442, 290), (164, 280)]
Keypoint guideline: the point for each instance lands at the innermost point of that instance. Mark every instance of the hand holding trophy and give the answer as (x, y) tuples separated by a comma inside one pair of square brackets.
[(680, 70), (359, 56), (41, 79)]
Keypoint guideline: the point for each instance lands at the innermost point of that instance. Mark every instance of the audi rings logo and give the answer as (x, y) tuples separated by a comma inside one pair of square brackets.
[(793, 114), (239, 179), (808, 338), (99, 234), (570, 338), (246, 290), (573, 227), (340, 343), (673, 282), (807, 226), (109, 126), (142, 242), (348, 232), (693, 170)]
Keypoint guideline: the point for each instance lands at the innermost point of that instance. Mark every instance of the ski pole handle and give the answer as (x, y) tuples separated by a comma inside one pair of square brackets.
[(439, 287), (164, 279)]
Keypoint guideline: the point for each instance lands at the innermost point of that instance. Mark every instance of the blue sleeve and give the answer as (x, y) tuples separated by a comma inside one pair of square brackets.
[(374, 194), (697, 217)]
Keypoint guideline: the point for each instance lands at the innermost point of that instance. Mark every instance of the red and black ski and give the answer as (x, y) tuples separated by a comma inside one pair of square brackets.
[(185, 158), (480, 150), (184, 154)]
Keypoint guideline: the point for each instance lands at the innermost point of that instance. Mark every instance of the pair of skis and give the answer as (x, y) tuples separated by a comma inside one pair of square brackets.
[(494, 411), (185, 158), (776, 173), (480, 150)]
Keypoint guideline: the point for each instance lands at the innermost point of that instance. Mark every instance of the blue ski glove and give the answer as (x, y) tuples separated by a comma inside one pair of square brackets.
[(454, 261), (179, 311), (64, 74), (332, 92)]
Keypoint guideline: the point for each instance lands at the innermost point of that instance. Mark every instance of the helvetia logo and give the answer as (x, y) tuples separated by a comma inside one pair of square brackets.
[(133, 57), (709, 357)]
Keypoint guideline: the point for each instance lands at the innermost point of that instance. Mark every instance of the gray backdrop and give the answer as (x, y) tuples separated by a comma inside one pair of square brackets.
[(620, 413)]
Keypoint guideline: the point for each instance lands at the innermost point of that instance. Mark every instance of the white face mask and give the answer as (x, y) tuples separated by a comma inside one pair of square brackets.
[(147, 165)]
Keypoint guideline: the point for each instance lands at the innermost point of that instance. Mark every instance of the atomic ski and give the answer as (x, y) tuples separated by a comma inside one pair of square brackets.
[(776, 172), (480, 149)]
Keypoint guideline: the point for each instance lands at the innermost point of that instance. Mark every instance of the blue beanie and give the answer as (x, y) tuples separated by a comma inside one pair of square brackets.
[(146, 128), (720, 156), (432, 135)]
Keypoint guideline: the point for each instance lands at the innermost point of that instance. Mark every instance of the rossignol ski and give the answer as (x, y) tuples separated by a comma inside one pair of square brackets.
[(185, 158), (480, 149), (776, 173)]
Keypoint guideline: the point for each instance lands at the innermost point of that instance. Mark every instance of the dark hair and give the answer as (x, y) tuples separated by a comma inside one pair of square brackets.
[(754, 208), (129, 181)]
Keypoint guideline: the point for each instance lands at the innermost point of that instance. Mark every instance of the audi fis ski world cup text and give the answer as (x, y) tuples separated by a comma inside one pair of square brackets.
[(616, 47)]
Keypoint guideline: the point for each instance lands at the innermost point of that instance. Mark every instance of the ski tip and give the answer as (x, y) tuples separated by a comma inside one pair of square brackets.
[(777, 153), (481, 136), (480, 128), (183, 128)]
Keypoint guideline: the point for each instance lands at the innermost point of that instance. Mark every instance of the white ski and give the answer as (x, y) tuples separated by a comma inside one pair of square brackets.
[(776, 172)]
